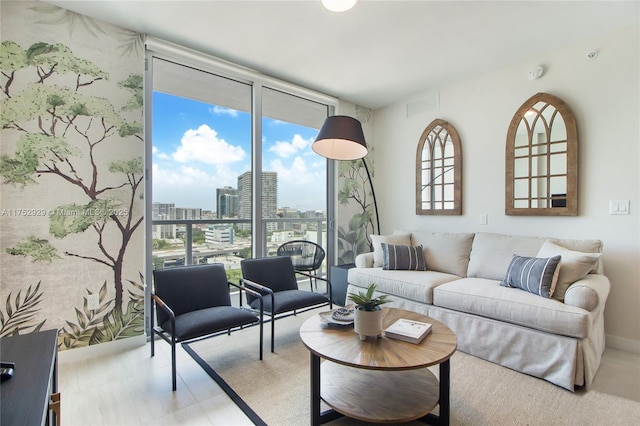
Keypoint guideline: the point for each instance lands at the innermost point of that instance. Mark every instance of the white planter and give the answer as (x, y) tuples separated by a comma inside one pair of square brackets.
[(368, 323)]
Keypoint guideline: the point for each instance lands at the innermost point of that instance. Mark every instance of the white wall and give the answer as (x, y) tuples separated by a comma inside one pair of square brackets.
[(604, 96)]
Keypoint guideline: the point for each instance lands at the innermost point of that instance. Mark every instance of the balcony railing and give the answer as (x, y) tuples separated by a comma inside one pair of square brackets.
[(188, 254)]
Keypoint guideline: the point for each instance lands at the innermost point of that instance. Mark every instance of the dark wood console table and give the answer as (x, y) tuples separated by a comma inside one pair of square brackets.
[(26, 397)]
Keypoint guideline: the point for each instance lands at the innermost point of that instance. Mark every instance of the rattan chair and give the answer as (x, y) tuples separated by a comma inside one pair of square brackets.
[(306, 256)]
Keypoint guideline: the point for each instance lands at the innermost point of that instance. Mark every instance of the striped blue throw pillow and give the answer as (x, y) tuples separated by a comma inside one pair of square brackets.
[(396, 257), (533, 274)]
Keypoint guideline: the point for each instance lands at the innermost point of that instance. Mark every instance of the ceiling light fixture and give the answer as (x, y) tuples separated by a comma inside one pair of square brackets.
[(339, 5)]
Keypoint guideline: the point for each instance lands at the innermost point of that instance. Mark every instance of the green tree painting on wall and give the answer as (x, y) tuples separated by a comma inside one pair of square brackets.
[(355, 190), (64, 131)]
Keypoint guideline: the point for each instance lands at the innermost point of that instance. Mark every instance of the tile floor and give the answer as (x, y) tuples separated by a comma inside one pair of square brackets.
[(131, 388)]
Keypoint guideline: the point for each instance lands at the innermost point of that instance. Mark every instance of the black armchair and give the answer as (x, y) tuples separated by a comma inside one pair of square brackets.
[(306, 256), (275, 280), (194, 302)]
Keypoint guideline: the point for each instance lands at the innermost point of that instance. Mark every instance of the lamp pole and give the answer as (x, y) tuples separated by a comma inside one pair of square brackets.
[(373, 193)]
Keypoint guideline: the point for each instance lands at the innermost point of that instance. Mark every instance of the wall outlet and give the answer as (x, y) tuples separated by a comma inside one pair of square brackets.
[(93, 301)]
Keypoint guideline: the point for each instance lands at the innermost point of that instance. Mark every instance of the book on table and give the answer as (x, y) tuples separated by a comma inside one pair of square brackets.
[(408, 330)]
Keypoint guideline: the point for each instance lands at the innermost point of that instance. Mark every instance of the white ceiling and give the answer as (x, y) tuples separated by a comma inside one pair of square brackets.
[(376, 54)]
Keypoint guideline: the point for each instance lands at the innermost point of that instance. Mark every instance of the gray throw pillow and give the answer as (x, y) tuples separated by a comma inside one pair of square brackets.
[(408, 258), (533, 274), (376, 240)]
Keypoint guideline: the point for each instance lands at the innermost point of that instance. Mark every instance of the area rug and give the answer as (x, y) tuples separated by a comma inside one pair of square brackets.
[(275, 391)]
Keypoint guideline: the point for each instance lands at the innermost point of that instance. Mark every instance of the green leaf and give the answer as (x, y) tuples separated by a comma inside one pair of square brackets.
[(20, 312), (12, 57), (38, 249)]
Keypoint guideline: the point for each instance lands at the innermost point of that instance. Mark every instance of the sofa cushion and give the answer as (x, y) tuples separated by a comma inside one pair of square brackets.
[(397, 257), (445, 251), (585, 246), (413, 285), (492, 253), (533, 274), (574, 265), (489, 299), (396, 239)]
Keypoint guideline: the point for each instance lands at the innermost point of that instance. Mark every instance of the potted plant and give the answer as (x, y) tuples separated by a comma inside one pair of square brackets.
[(368, 314)]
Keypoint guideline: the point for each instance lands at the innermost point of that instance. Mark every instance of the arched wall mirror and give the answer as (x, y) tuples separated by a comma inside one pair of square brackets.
[(439, 171), (542, 159)]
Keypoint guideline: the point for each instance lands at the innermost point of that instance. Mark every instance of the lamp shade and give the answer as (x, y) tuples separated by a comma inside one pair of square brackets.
[(340, 138)]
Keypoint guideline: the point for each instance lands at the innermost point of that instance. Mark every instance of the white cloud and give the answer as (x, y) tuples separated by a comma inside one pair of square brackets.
[(300, 185), (204, 145), (159, 154), (286, 149), (188, 185), (297, 174), (203, 162), (218, 110)]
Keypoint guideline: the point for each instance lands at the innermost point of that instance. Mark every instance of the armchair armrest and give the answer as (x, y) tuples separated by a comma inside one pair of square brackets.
[(257, 288), (252, 292), (248, 290), (588, 293), (257, 291), (364, 260), (160, 303), (172, 317), (307, 274)]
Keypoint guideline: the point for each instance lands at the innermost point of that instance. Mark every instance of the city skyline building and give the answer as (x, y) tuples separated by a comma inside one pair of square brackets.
[(186, 213), (161, 211), (227, 202), (269, 197)]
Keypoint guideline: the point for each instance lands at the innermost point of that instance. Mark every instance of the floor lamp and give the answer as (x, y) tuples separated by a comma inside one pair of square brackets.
[(341, 138)]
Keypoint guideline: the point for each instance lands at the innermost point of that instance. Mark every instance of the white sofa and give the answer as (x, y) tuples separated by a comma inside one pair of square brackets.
[(559, 339)]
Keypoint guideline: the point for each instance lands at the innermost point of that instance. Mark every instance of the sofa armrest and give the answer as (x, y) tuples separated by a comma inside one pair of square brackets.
[(589, 292), (364, 260)]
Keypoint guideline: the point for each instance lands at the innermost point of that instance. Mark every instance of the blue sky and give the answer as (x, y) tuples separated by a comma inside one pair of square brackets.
[(198, 147)]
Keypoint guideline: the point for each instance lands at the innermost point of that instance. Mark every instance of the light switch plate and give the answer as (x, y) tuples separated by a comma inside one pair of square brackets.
[(619, 207)]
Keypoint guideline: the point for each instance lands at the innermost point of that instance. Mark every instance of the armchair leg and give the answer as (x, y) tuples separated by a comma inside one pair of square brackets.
[(153, 348), (173, 364), (261, 337), (273, 331)]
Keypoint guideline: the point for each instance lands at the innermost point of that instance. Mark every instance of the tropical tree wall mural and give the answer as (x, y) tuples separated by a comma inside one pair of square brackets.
[(356, 214), (72, 176)]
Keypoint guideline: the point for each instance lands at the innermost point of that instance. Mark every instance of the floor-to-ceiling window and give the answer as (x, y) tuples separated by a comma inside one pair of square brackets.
[(232, 172), (294, 180)]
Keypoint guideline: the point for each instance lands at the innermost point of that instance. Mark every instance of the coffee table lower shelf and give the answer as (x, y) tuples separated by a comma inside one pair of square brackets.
[(379, 396)]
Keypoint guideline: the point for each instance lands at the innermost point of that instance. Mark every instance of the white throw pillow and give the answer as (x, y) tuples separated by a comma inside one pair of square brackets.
[(396, 239), (574, 265)]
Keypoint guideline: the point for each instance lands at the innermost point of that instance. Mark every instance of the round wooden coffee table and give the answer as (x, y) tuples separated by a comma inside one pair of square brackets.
[(378, 380)]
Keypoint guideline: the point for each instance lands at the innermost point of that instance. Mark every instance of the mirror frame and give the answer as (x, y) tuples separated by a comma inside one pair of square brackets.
[(571, 208), (452, 134)]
